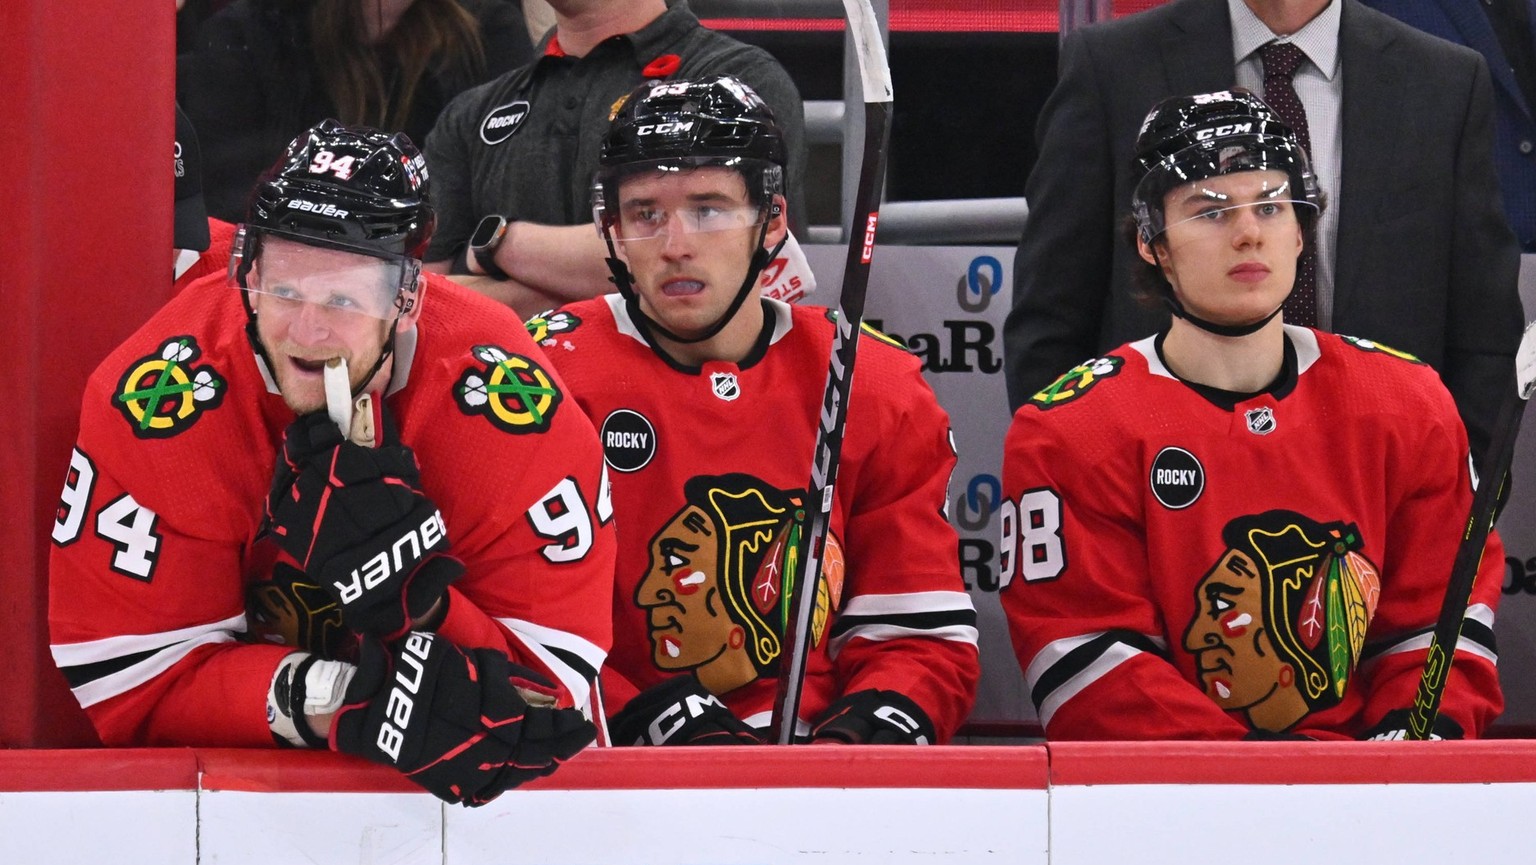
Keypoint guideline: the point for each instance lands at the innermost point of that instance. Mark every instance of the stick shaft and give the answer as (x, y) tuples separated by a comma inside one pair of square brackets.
[(1469, 556), (795, 650)]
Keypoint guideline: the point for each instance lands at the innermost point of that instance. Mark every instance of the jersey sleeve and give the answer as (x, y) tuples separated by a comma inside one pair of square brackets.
[(906, 623), (1078, 597), (1434, 496), (145, 612), (529, 515)]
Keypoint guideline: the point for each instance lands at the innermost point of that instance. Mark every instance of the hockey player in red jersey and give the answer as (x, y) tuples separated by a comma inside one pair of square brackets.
[(1238, 528), (707, 398), (424, 584)]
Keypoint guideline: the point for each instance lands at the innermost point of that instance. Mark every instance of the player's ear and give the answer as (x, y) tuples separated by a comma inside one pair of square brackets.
[(1145, 250), (778, 223), (412, 307)]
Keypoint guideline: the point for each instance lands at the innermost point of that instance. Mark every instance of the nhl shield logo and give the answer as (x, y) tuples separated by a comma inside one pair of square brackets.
[(1261, 421), (725, 385)]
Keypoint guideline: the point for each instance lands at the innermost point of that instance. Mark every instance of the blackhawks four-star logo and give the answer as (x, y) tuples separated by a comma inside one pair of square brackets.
[(512, 391), (164, 393)]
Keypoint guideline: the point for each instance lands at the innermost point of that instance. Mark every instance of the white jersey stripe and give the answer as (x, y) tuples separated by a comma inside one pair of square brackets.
[(880, 633), (1114, 656), (168, 647), (112, 648), (537, 637), (909, 602)]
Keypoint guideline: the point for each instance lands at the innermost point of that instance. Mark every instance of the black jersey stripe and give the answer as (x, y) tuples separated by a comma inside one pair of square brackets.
[(1080, 658), (1471, 630), (84, 674), (576, 662), (928, 621)]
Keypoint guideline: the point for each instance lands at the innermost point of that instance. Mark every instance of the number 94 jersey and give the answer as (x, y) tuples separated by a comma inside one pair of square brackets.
[(157, 539), (1182, 563)]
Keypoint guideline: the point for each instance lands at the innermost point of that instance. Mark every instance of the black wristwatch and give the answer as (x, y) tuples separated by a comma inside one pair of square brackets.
[(482, 244)]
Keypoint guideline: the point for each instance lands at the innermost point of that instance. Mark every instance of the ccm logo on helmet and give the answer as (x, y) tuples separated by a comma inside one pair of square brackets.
[(664, 128), (397, 712), (316, 208), (393, 560), (1223, 131)]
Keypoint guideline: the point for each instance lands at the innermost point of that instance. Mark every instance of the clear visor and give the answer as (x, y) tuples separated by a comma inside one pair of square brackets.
[(629, 209), (1217, 203), (288, 275), (639, 222), (1215, 184)]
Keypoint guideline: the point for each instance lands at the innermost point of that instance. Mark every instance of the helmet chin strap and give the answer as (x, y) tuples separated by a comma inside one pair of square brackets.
[(625, 283), (1212, 327), (1178, 310)]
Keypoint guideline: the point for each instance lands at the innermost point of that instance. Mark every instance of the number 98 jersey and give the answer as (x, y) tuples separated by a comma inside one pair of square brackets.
[(1183, 563)]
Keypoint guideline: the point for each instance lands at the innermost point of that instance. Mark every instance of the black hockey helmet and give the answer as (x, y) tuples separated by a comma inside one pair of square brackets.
[(678, 125), (1189, 138), (355, 189), (350, 188), (717, 121)]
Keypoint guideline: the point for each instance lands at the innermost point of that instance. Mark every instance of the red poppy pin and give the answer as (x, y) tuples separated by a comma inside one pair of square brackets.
[(662, 66)]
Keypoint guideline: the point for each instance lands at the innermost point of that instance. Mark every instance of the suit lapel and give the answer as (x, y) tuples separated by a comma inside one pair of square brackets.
[(1372, 114), (1197, 47)]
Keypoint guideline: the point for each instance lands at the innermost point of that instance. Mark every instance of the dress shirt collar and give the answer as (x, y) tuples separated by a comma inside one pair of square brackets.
[(1319, 39)]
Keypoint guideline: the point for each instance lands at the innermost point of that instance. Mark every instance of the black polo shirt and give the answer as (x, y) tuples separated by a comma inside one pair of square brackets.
[(525, 145)]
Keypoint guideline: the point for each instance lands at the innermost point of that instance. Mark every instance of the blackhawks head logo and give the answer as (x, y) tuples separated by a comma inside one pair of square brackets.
[(717, 590), (552, 323), (512, 391), (1076, 382), (1280, 619), (166, 392)]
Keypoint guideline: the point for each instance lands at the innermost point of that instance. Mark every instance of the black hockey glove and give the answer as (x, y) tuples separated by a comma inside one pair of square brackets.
[(1394, 727), (872, 717), (455, 721), (679, 712), (356, 521)]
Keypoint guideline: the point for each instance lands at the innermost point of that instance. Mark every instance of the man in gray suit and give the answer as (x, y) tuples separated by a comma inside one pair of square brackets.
[(1414, 251)]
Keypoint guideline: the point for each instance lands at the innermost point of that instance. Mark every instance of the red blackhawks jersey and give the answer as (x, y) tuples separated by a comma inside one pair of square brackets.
[(156, 539), (709, 468), (1182, 563)]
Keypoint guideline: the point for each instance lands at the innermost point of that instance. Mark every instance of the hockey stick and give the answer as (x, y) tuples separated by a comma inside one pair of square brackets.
[(875, 76), (1474, 537)]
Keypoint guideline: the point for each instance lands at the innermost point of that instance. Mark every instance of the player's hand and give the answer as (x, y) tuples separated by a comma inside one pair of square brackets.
[(872, 717), (679, 712), (455, 721), (1394, 728), (355, 520)]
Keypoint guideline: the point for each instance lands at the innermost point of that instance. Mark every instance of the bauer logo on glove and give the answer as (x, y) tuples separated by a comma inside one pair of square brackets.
[(401, 558)]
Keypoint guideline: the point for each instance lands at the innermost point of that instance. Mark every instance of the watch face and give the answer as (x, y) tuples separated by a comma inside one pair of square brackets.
[(486, 231)]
